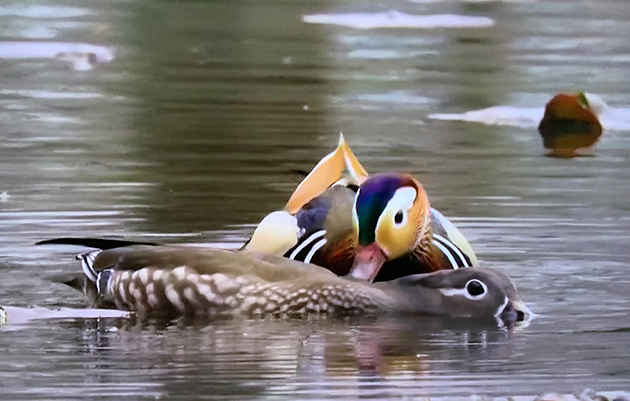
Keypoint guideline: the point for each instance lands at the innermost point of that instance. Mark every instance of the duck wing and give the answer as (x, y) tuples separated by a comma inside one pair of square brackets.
[(451, 243), (183, 280), (326, 226)]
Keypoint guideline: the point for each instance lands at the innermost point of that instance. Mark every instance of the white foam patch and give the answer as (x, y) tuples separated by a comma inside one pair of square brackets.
[(473, 1), (43, 94), (611, 118), (30, 50), (395, 19), (38, 11), (17, 316), (82, 56), (498, 115), (615, 119)]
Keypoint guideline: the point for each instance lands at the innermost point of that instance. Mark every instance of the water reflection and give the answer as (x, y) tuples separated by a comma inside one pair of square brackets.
[(354, 358), (267, 358)]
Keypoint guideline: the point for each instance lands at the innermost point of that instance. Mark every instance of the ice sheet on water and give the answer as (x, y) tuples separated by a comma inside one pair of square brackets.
[(16, 317), (396, 19), (82, 56), (611, 118)]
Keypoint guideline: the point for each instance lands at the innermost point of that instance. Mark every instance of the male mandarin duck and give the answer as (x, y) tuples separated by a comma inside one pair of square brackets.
[(172, 281), (378, 227), (570, 123)]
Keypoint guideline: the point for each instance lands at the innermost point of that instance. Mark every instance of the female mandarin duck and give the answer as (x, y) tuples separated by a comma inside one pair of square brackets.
[(173, 281), (374, 228), (570, 123)]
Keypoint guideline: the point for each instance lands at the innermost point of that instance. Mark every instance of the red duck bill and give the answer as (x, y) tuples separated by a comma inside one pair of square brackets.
[(367, 263)]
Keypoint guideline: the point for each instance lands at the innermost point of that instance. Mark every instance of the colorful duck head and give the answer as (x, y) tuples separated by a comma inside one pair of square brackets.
[(391, 217), (570, 123), (316, 226)]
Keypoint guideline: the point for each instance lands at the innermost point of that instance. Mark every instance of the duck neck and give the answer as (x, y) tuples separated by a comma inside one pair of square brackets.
[(403, 298)]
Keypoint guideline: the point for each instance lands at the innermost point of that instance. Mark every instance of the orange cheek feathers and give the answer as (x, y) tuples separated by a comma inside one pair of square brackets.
[(397, 241)]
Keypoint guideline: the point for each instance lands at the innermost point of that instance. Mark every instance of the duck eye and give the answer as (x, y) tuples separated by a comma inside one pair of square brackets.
[(398, 218), (475, 288)]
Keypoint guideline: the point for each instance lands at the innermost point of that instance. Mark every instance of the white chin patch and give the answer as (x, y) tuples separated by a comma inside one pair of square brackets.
[(497, 315), (463, 292), (503, 305)]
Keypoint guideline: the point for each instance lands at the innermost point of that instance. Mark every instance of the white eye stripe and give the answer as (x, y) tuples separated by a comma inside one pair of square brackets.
[(402, 200), (449, 292)]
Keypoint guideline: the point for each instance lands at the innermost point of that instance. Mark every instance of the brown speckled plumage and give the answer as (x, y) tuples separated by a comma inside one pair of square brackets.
[(187, 280), (184, 291), (196, 281)]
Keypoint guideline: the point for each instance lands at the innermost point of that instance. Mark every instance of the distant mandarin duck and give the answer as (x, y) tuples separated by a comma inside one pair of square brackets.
[(172, 281), (570, 123), (378, 228)]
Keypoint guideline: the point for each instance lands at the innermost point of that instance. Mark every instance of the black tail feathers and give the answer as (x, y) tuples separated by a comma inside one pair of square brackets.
[(98, 243)]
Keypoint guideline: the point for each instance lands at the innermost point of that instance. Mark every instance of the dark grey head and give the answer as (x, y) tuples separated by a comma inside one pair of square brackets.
[(473, 292)]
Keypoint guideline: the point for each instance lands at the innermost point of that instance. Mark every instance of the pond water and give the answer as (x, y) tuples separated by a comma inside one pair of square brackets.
[(185, 122)]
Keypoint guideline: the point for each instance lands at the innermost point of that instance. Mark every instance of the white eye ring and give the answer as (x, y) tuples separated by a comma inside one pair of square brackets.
[(473, 287), (402, 215)]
